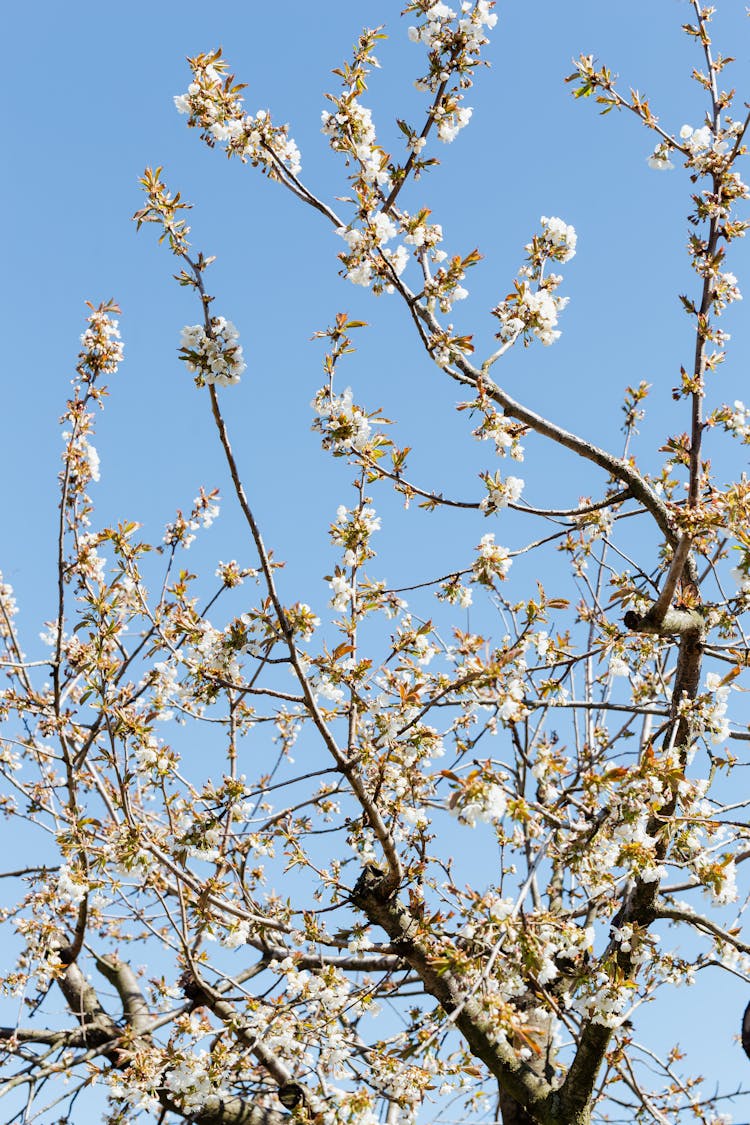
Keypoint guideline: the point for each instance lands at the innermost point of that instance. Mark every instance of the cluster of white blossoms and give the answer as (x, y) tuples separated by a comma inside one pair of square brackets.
[(300, 619), (215, 358), (741, 575), (532, 310), (9, 758), (214, 105), (659, 158), (214, 651), (512, 699), (343, 424), (492, 561), (497, 427), (182, 529), (350, 130), (501, 491), (725, 291), (701, 144), (548, 768), (323, 687), (438, 16), (193, 1082), (352, 531), (423, 235), (450, 38), (451, 122), (708, 713), (559, 238), (719, 879), (8, 606), (231, 574), (71, 887), (738, 421), (342, 591), (89, 563), (152, 754), (697, 840), (622, 839), (81, 457), (478, 799), (413, 639), (200, 837), (455, 593), (444, 288), (474, 16), (102, 347), (607, 1002), (698, 140), (367, 257)]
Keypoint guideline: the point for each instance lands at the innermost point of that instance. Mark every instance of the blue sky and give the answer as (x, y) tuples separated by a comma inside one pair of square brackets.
[(92, 90), (95, 94)]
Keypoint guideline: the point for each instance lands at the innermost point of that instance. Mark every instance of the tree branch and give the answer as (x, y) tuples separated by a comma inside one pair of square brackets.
[(373, 895)]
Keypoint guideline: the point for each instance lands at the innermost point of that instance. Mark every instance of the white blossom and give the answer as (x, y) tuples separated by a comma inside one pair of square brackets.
[(561, 238), (659, 158), (501, 492), (216, 358), (342, 423), (492, 560)]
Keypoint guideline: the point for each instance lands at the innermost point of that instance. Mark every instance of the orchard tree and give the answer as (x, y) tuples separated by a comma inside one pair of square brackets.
[(255, 904)]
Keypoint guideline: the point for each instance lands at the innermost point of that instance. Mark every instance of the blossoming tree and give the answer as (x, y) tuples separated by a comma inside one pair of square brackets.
[(271, 806)]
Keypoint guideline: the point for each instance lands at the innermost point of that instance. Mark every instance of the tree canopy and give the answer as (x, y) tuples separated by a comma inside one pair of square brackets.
[(354, 847)]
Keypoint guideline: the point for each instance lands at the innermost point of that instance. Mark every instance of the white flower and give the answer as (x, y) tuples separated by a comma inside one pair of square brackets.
[(220, 113), (728, 891), (450, 124), (712, 715), (742, 579), (343, 592), (659, 158), (398, 259), (501, 492), (513, 708), (495, 803), (492, 560), (341, 421), (547, 971), (237, 935), (216, 358), (531, 311), (739, 421), (561, 237), (385, 228), (487, 803), (618, 667), (698, 140), (326, 688), (69, 887), (351, 236), (361, 274)]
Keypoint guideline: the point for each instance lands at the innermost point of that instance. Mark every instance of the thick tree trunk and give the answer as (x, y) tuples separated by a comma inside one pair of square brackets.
[(511, 1113)]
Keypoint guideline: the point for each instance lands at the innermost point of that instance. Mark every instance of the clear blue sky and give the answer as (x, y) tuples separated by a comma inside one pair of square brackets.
[(89, 92), (92, 89)]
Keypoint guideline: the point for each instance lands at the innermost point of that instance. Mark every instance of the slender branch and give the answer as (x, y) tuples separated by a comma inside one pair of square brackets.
[(660, 607), (373, 813)]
